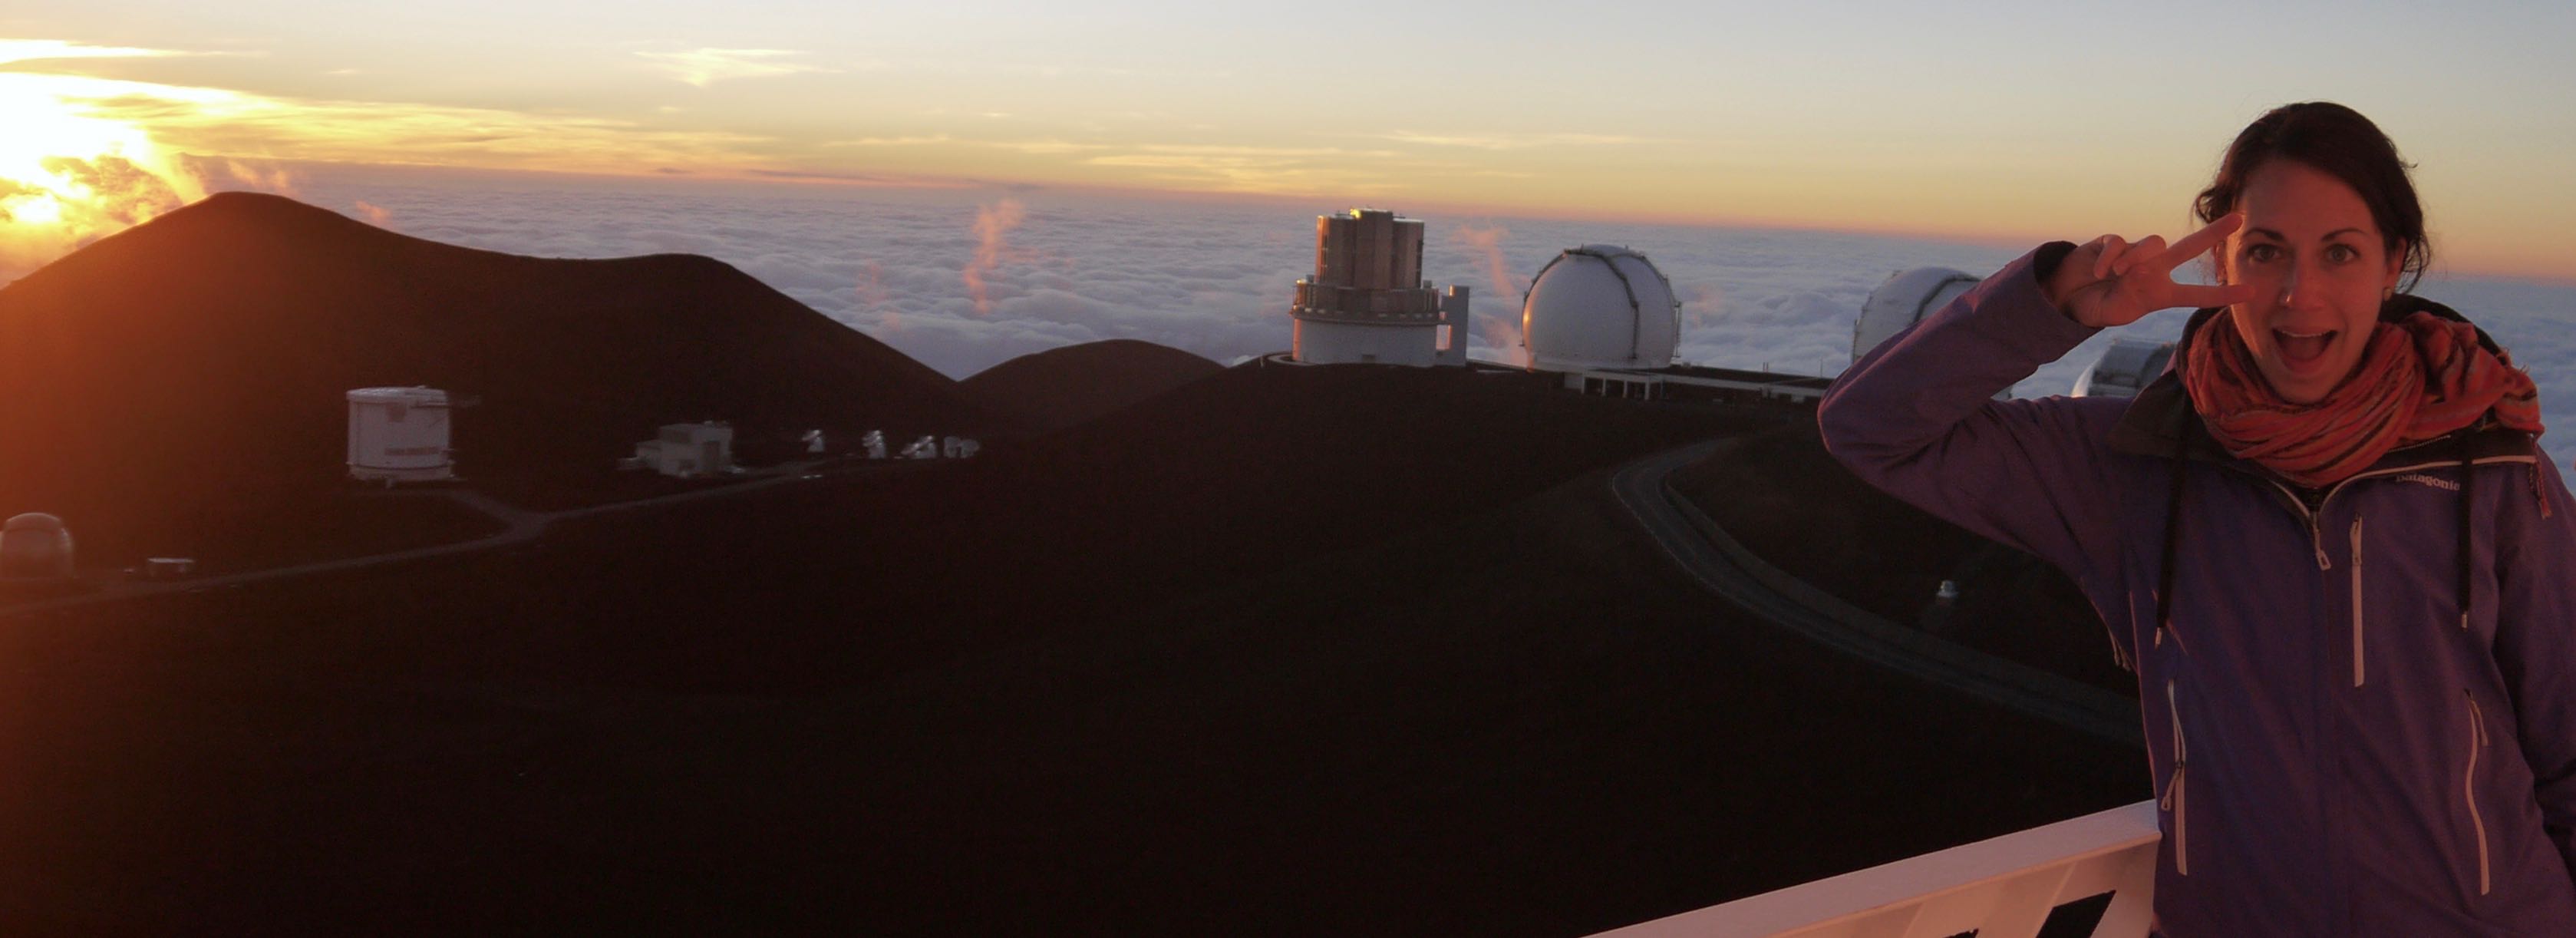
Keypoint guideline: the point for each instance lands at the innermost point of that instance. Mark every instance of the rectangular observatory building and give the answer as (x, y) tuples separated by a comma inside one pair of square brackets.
[(1367, 302)]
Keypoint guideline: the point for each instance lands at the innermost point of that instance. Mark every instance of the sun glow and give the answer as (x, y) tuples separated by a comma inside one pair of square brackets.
[(68, 177)]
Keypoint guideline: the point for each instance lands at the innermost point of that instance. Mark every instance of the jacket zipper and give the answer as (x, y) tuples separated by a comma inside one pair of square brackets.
[(2316, 538), (2316, 535), (2469, 787), (2356, 602), (2174, 800)]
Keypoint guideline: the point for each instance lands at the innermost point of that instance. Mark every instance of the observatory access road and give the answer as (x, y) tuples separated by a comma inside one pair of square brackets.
[(521, 524), (1724, 567)]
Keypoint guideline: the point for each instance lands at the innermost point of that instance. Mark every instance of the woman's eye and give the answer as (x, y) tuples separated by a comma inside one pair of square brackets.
[(2342, 254), (2261, 253)]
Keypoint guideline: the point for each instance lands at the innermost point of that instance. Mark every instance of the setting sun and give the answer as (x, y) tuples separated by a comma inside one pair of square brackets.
[(67, 177)]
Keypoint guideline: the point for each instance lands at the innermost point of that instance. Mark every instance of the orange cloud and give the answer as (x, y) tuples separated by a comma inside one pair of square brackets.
[(992, 222), (703, 67), (1488, 243), (275, 179)]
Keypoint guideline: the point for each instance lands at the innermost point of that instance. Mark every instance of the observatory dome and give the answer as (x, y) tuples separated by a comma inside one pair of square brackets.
[(2124, 369), (1600, 306), (1906, 297), (35, 546)]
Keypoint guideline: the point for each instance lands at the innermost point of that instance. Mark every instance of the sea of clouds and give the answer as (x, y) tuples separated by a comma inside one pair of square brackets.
[(963, 279)]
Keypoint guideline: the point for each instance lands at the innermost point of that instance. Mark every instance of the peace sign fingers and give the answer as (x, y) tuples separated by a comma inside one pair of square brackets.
[(2147, 249), (2196, 243), (2115, 281), (2155, 285)]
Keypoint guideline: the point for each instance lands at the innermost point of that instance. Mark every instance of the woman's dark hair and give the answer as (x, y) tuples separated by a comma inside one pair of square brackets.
[(2338, 141)]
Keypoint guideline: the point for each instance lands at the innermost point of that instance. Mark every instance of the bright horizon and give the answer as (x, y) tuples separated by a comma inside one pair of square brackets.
[(2016, 123)]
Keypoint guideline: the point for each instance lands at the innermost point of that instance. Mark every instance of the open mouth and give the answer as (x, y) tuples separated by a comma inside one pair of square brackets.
[(2302, 350)]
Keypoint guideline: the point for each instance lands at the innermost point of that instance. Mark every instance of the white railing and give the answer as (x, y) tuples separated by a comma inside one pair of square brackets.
[(2000, 888)]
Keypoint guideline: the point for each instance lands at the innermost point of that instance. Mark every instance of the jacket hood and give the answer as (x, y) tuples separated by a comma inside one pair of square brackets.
[(2160, 421)]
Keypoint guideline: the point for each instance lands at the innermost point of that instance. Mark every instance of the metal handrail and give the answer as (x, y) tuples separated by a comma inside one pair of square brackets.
[(1999, 888)]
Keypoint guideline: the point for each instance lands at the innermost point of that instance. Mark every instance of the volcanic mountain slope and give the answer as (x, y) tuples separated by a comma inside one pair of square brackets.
[(1061, 387), (198, 361), (1292, 650)]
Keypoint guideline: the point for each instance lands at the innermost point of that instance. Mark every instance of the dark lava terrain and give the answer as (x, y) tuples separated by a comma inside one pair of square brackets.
[(1786, 499), (171, 387), (1271, 650), (1058, 388)]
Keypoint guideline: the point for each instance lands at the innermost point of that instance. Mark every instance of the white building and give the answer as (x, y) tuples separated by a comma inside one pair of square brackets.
[(1368, 303), (688, 449), (1600, 306), (1902, 301), (399, 435), (2124, 369), (35, 546), (1605, 320)]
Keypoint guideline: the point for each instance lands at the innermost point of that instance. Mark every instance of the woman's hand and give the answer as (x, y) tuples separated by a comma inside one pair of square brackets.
[(2112, 282)]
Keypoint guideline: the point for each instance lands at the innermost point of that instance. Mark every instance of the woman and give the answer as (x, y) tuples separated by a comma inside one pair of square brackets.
[(2325, 540)]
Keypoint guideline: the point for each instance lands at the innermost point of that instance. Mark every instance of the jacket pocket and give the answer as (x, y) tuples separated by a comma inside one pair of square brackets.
[(2469, 789), (2177, 801)]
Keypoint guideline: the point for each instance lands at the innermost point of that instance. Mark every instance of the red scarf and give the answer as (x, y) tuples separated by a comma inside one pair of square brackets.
[(2418, 379)]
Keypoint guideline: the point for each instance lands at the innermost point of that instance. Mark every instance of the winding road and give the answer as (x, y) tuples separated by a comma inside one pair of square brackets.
[(1724, 567)]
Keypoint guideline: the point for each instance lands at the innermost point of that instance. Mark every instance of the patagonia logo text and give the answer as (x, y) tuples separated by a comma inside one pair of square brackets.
[(2422, 479)]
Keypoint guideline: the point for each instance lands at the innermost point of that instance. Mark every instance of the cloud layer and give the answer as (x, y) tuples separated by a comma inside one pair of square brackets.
[(703, 67), (1213, 277)]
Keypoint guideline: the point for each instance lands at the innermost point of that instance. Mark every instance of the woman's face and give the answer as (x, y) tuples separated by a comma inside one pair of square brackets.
[(2318, 265)]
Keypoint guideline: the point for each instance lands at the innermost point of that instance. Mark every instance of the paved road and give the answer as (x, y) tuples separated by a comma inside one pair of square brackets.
[(1725, 568), (522, 526)]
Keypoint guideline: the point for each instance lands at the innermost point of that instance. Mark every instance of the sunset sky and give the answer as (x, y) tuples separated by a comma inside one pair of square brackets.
[(2012, 122)]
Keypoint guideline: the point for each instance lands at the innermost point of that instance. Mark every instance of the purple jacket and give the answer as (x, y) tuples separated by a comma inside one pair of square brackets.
[(2352, 731)]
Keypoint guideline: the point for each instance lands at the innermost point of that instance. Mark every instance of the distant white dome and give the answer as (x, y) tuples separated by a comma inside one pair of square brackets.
[(1906, 297), (35, 546), (2124, 369), (1600, 306)]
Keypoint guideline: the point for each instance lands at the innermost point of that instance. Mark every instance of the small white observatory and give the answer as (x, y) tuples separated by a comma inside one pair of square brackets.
[(2124, 369), (1368, 303), (1600, 306), (399, 435), (685, 450), (35, 546), (1902, 301)]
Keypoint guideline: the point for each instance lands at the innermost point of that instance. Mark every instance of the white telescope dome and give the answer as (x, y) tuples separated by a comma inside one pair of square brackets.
[(1600, 306), (2124, 369), (1906, 297), (35, 546)]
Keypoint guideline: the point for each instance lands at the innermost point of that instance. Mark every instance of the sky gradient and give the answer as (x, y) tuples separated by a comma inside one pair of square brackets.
[(2007, 124)]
